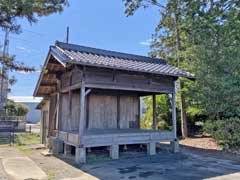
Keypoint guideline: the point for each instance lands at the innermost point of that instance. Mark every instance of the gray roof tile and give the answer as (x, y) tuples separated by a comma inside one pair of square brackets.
[(116, 60)]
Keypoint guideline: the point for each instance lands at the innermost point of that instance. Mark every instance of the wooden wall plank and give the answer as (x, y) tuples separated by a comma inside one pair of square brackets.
[(102, 111), (128, 111)]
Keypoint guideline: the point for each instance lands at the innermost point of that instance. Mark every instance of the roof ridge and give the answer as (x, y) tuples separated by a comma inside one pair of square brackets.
[(110, 53)]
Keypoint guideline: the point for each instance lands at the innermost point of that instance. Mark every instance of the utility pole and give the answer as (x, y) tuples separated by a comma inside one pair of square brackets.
[(67, 38), (4, 74)]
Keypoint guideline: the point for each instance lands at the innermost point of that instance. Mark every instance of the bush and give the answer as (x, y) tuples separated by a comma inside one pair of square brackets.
[(226, 132), (16, 109)]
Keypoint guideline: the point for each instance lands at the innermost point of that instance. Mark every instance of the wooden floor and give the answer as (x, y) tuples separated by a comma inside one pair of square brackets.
[(106, 137)]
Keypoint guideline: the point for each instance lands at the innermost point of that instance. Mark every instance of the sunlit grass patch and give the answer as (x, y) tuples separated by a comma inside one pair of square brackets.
[(23, 149), (27, 139)]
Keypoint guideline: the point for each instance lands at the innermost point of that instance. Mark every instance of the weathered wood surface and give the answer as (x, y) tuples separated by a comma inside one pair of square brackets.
[(128, 111), (98, 137), (102, 112), (69, 119), (52, 114), (63, 113), (124, 136), (106, 112), (127, 81), (120, 80), (71, 138)]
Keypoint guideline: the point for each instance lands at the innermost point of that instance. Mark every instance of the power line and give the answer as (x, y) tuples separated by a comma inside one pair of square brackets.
[(33, 32)]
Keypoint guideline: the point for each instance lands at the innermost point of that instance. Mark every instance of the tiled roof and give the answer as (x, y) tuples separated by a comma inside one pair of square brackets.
[(116, 60)]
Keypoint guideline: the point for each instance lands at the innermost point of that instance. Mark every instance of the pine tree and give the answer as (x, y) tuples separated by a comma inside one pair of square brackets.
[(167, 41), (13, 10)]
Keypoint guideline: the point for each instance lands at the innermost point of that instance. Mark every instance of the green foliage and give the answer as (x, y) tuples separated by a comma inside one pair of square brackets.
[(16, 109), (226, 132), (31, 10), (210, 42), (163, 112)]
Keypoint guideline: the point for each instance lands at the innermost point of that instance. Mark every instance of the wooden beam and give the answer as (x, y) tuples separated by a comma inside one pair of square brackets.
[(118, 112), (154, 112), (72, 87), (88, 91), (119, 87), (58, 106), (48, 84), (87, 112), (139, 112), (82, 123), (70, 105)]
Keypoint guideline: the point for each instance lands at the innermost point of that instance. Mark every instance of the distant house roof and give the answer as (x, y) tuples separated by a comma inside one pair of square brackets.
[(70, 53), (25, 99)]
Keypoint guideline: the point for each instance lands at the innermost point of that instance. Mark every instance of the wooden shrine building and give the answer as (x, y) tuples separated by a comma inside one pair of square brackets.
[(92, 99)]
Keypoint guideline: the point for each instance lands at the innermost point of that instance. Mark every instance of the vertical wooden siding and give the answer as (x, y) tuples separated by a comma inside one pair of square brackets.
[(52, 114), (128, 111), (102, 112), (69, 121)]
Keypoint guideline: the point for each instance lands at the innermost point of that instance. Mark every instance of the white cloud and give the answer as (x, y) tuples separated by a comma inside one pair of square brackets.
[(21, 48), (146, 42)]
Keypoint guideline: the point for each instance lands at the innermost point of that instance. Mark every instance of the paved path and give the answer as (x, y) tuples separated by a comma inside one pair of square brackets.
[(18, 166), (165, 166)]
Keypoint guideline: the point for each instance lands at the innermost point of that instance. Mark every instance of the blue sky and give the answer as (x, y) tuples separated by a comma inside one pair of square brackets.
[(100, 24)]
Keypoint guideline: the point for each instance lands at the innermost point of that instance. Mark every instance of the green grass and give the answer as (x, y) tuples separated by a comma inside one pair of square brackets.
[(21, 139), (50, 175), (98, 158), (27, 139), (23, 149)]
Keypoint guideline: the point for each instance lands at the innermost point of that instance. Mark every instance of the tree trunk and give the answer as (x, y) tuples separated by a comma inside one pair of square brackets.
[(184, 128), (182, 98)]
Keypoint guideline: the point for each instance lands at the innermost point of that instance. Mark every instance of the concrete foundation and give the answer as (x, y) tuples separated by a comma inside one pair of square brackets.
[(50, 142), (151, 148), (80, 155), (67, 149), (175, 146), (57, 146), (114, 151)]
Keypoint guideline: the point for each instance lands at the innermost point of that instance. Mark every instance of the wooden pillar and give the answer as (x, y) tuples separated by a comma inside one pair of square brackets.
[(139, 113), (80, 154), (174, 121), (118, 112), (57, 115), (174, 143), (58, 104), (154, 112), (82, 112)]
